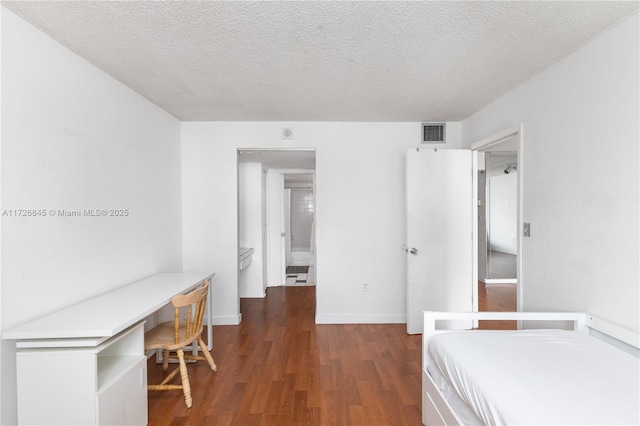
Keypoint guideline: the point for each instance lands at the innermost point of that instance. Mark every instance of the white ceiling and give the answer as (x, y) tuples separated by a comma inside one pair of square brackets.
[(322, 61)]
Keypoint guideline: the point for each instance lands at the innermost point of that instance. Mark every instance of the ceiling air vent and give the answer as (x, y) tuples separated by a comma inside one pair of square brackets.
[(433, 132)]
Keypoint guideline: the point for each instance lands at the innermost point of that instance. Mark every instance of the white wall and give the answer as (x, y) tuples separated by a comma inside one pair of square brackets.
[(580, 177), (250, 280), (75, 138), (358, 235)]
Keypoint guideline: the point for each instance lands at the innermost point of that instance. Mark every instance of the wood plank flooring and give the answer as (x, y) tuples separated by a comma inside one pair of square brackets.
[(497, 298), (279, 368)]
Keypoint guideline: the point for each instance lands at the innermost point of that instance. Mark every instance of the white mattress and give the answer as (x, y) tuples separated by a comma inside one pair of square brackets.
[(537, 377)]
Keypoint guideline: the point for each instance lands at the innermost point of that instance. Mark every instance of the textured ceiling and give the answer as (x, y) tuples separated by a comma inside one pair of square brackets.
[(322, 61)]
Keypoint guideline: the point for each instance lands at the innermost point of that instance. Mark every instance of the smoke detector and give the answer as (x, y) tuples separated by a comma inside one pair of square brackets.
[(287, 133)]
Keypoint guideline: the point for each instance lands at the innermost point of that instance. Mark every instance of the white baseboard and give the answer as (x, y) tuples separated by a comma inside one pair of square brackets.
[(361, 319), (500, 281), (252, 295), (226, 319)]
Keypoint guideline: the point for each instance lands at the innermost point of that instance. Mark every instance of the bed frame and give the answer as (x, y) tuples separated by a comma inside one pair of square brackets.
[(436, 410)]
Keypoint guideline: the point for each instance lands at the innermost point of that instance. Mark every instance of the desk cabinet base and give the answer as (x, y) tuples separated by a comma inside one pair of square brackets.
[(77, 385), (121, 403)]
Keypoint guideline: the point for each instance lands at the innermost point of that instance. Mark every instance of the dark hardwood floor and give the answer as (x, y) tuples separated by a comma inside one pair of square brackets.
[(496, 298), (279, 368)]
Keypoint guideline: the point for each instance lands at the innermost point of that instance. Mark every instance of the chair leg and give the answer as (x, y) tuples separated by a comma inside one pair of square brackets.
[(165, 359), (186, 387), (207, 355)]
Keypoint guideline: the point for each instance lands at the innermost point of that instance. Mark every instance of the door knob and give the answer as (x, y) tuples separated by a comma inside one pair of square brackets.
[(413, 251)]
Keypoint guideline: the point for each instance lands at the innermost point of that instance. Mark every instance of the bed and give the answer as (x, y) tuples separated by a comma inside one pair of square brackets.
[(589, 374)]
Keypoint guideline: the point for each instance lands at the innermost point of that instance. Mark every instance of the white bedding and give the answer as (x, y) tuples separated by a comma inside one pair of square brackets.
[(536, 377)]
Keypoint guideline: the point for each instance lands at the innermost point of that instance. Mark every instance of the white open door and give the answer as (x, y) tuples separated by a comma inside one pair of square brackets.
[(439, 234)]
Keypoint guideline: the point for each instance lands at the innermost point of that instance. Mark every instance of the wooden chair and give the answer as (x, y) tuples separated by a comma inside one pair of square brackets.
[(173, 336)]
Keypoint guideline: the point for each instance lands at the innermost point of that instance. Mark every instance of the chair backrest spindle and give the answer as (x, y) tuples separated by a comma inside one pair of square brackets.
[(189, 319), (176, 325)]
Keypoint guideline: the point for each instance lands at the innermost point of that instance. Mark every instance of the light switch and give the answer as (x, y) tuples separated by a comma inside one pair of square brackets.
[(526, 231)]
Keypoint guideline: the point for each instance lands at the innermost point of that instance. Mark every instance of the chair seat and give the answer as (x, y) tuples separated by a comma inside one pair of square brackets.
[(162, 336)]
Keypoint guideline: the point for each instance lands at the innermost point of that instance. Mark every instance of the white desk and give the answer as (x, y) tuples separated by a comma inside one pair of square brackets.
[(86, 364)]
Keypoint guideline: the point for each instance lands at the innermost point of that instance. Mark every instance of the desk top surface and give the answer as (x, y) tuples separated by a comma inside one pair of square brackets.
[(110, 313)]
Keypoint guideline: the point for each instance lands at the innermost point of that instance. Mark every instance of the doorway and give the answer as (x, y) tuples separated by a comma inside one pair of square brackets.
[(299, 218), (261, 214), (498, 189), (498, 215)]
